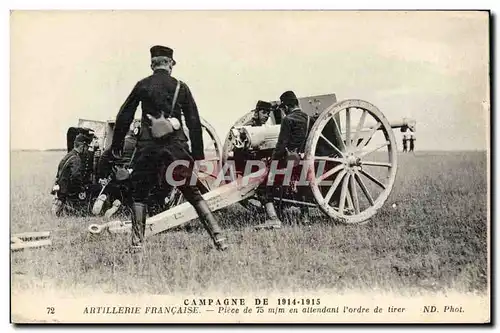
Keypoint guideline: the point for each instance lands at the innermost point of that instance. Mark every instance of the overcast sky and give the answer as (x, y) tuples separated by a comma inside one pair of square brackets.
[(430, 66)]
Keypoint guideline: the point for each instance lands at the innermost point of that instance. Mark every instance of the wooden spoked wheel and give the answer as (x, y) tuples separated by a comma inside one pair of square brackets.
[(352, 151)]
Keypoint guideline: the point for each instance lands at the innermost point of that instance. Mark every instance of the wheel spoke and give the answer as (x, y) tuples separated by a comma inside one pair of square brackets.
[(348, 128), (337, 128), (368, 137), (350, 204), (364, 189), (329, 173), (343, 193), (331, 144), (359, 127), (354, 193), (381, 164), (331, 159), (373, 179), (211, 159), (366, 153), (334, 186)]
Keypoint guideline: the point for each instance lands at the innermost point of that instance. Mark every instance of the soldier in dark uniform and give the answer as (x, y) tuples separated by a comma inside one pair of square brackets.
[(261, 113), (106, 161), (291, 141), (69, 178), (405, 143), (156, 94), (260, 117), (412, 142), (115, 189)]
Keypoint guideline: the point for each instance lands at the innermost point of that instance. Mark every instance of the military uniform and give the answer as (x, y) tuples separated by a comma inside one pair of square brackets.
[(293, 134), (156, 93), (69, 175), (259, 119), (294, 129), (405, 143), (412, 142), (106, 161), (241, 156)]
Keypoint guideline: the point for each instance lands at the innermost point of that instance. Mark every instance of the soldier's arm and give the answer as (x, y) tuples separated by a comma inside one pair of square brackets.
[(283, 139), (192, 117), (75, 167), (125, 117)]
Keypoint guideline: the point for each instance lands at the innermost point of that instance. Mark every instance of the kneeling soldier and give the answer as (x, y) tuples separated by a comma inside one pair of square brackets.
[(69, 177)]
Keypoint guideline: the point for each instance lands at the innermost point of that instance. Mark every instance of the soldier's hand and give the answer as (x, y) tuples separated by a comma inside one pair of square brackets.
[(117, 153)]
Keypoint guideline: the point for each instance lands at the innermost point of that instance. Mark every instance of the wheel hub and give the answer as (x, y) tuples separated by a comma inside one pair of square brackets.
[(353, 161)]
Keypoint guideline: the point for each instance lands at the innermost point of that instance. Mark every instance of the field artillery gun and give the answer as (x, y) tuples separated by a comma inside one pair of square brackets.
[(350, 150), (349, 165)]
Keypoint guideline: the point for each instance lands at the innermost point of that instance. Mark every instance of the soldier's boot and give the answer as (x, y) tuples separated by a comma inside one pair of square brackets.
[(139, 213), (116, 205), (211, 225), (57, 207), (272, 221), (304, 215), (98, 204)]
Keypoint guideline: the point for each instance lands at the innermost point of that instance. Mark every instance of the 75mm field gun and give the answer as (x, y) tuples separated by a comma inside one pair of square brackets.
[(347, 169)]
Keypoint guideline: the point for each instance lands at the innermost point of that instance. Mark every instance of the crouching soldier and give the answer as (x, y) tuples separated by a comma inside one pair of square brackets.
[(68, 186), (162, 141), (113, 176)]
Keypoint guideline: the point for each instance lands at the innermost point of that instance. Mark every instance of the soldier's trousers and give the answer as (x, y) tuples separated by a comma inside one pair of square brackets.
[(151, 168)]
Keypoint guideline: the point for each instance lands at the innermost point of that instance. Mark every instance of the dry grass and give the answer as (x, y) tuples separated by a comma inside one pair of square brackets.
[(435, 239)]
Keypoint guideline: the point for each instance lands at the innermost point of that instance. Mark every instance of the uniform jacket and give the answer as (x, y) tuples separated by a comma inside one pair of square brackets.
[(69, 172), (155, 94), (106, 161), (293, 133)]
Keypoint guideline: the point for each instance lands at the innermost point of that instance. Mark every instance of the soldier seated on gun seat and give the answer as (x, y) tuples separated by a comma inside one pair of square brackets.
[(69, 177), (260, 117), (261, 113)]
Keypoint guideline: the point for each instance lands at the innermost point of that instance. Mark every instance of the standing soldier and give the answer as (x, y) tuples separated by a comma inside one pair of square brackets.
[(294, 129), (405, 142), (162, 141), (412, 141)]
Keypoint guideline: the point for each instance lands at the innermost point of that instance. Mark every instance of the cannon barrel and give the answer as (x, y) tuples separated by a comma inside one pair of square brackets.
[(404, 124), (265, 137)]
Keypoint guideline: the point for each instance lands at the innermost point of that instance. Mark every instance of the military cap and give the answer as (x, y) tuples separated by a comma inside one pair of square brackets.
[(80, 138), (162, 51), (262, 105), (288, 96)]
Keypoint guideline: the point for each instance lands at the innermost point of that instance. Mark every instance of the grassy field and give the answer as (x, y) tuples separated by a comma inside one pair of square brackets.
[(435, 239)]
